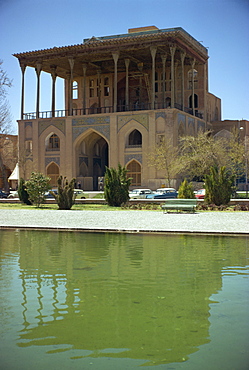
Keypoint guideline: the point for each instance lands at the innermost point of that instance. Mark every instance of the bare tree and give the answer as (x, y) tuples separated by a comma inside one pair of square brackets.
[(5, 121), (165, 157)]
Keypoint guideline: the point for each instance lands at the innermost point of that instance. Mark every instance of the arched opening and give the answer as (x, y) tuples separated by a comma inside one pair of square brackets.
[(135, 138), (53, 173), (83, 170), (75, 90), (52, 142), (91, 160), (195, 101), (134, 171)]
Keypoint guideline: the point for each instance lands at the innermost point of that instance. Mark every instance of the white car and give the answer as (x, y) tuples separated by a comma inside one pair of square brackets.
[(139, 193), (13, 194), (79, 194)]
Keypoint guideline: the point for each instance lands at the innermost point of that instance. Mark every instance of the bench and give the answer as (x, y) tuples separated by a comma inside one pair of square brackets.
[(179, 204)]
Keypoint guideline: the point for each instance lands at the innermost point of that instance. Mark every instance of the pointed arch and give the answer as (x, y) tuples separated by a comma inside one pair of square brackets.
[(53, 172), (75, 90), (83, 170), (52, 142), (91, 158), (195, 101), (135, 138), (134, 171)]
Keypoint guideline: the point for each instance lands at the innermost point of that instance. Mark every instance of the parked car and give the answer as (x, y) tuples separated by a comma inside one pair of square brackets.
[(139, 193), (79, 194), (200, 194), (13, 194), (3, 194), (163, 193), (48, 195)]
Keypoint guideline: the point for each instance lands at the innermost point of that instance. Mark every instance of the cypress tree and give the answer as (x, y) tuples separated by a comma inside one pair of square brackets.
[(219, 185), (116, 191), (65, 197), (186, 190)]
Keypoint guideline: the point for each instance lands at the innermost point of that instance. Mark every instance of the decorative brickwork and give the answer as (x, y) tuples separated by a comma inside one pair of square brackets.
[(143, 119), (60, 124)]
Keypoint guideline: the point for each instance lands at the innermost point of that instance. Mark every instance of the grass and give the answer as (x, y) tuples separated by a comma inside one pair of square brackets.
[(79, 207)]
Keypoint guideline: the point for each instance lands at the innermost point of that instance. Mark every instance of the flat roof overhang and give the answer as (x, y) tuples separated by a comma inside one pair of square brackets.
[(96, 53)]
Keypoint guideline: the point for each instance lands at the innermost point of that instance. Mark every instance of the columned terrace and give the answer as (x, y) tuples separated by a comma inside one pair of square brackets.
[(108, 109)]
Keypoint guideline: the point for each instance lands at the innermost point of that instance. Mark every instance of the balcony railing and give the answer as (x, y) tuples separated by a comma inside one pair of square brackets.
[(109, 109)]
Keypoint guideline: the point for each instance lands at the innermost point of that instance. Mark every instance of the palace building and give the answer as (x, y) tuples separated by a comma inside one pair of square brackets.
[(123, 94)]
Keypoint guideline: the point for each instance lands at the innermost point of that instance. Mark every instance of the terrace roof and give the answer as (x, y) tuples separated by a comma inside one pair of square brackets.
[(96, 52)]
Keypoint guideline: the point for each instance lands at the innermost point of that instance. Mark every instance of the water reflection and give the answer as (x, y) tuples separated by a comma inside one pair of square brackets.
[(117, 295)]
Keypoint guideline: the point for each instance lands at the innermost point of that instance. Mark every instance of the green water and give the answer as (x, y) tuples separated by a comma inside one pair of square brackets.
[(120, 301)]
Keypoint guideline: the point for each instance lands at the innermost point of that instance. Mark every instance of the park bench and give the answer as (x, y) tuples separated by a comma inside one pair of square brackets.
[(179, 204)]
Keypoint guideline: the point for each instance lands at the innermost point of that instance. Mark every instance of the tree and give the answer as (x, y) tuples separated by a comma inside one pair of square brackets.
[(116, 190), (165, 157), (5, 120), (219, 185), (36, 188), (199, 153), (65, 197), (22, 192), (234, 157), (186, 190)]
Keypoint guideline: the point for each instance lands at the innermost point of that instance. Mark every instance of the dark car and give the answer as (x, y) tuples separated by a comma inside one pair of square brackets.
[(3, 195), (163, 193)]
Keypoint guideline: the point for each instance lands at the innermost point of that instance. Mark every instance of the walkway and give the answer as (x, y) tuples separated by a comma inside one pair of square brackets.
[(127, 221)]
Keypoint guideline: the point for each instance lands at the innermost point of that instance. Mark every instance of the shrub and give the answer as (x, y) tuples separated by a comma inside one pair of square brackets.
[(116, 191), (22, 192), (36, 187), (65, 197), (186, 190), (219, 186)]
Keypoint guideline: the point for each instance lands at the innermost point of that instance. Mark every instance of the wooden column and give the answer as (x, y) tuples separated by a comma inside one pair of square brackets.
[(23, 68), (127, 63), (205, 92), (193, 86), (70, 87), (99, 87), (38, 72), (164, 57), (53, 75), (172, 52), (115, 97), (153, 71), (84, 67), (183, 55)]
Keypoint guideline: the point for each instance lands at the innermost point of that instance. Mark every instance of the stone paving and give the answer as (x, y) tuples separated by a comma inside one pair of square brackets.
[(127, 221)]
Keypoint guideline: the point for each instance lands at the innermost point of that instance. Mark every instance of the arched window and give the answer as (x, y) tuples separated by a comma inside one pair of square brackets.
[(134, 171), (195, 101), (135, 138), (190, 82), (106, 86), (53, 173), (75, 90), (53, 143)]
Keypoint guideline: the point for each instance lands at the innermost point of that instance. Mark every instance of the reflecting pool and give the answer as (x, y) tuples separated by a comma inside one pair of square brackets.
[(120, 301)]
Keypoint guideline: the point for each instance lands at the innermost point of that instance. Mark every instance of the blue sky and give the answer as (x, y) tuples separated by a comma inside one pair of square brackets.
[(220, 25)]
